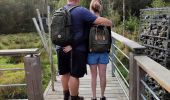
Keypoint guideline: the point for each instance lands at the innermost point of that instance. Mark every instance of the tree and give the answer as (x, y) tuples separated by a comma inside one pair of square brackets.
[(16, 15)]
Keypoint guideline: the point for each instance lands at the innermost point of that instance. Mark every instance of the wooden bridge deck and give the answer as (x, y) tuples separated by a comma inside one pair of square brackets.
[(113, 89)]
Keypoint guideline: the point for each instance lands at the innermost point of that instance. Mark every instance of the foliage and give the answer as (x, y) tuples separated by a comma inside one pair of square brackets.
[(115, 17), (12, 77), (22, 41), (132, 23), (15, 16), (134, 6), (158, 3)]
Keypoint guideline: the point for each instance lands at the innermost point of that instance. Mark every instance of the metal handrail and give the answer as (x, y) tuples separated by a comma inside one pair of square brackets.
[(121, 63), (11, 69), (147, 87), (120, 51), (121, 74), (135, 47), (9, 85), (18, 52)]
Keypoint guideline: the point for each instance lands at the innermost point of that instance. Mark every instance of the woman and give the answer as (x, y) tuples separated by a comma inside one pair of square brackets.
[(98, 60)]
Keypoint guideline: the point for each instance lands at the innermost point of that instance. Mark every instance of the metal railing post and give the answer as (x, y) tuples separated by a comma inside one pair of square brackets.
[(113, 57), (33, 77)]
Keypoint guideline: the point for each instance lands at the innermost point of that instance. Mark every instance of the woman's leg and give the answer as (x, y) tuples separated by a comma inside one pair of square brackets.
[(102, 75), (93, 69)]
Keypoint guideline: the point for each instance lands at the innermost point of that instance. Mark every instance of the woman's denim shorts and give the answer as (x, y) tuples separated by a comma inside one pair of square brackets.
[(98, 58)]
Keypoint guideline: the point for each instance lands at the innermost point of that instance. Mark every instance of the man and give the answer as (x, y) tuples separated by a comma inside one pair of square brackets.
[(77, 51)]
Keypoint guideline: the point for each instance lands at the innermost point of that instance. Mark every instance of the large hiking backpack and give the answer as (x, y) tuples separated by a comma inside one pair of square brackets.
[(60, 27), (99, 39)]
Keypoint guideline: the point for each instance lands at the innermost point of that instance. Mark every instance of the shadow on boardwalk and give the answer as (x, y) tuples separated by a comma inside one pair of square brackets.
[(113, 89)]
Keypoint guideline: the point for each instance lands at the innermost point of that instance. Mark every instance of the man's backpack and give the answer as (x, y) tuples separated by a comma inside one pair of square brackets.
[(60, 27), (99, 39)]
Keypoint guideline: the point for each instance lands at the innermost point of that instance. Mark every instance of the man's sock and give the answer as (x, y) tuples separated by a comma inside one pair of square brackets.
[(66, 94)]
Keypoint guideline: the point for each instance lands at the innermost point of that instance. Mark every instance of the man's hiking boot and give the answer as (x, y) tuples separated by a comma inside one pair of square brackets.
[(103, 98), (66, 95), (77, 98)]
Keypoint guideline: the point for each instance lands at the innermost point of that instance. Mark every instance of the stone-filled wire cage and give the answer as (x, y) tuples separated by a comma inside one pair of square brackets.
[(155, 34)]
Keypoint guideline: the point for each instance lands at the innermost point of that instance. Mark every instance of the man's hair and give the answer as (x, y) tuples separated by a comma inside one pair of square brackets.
[(96, 6)]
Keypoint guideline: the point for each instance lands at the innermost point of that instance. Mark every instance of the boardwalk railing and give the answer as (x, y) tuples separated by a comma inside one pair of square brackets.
[(139, 66), (145, 65), (32, 71)]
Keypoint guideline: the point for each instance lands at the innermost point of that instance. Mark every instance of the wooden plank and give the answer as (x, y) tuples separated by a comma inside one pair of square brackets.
[(19, 51), (113, 89), (131, 44), (33, 77), (155, 70)]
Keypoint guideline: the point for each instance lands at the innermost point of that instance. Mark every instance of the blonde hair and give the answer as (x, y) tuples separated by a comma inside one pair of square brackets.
[(95, 6)]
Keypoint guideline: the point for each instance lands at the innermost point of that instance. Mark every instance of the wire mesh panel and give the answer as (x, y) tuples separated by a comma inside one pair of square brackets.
[(155, 34)]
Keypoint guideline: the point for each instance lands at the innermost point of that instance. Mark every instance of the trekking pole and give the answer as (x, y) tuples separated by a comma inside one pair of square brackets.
[(40, 34), (50, 47), (41, 27)]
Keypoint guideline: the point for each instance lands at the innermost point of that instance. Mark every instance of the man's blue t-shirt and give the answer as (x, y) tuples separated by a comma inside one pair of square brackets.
[(81, 20)]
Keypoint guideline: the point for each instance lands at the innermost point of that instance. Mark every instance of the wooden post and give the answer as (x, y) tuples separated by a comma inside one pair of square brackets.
[(33, 77), (113, 57), (140, 87), (132, 78)]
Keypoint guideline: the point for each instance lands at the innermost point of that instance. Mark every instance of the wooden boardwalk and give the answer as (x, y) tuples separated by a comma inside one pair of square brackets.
[(113, 89)]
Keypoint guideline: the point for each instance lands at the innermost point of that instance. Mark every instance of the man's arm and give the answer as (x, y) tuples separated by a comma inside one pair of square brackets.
[(102, 21)]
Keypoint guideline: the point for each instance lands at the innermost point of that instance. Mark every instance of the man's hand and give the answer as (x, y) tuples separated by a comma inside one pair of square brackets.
[(103, 21), (66, 49)]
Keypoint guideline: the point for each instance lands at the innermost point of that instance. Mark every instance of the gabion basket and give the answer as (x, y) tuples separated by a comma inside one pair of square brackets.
[(155, 34)]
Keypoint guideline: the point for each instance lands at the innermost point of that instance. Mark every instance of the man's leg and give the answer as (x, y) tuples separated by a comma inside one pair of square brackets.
[(73, 86), (65, 79), (78, 70)]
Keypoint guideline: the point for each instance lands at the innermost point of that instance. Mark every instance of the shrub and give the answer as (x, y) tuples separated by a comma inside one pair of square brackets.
[(132, 24)]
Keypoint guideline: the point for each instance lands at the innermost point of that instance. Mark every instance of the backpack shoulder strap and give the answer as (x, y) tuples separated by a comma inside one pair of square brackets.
[(72, 7)]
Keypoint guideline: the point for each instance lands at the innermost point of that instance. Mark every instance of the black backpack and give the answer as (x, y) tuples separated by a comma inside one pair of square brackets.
[(100, 39), (60, 27)]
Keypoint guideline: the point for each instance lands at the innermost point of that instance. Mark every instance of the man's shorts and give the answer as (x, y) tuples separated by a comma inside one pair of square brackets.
[(98, 58), (73, 62)]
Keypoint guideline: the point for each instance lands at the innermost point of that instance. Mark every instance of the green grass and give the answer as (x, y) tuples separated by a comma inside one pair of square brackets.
[(20, 41)]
